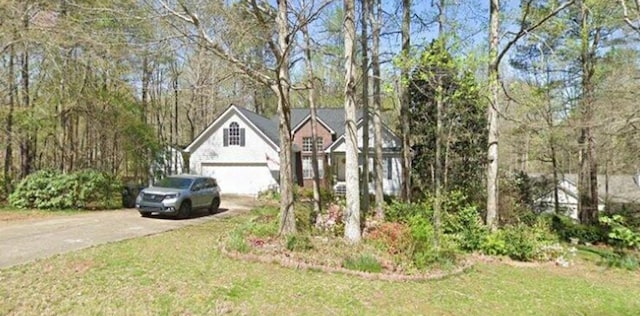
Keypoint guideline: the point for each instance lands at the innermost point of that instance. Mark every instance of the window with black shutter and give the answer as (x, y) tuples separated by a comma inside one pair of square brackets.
[(234, 135)]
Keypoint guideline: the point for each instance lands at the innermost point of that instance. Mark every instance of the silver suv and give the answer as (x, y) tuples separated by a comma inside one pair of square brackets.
[(179, 195)]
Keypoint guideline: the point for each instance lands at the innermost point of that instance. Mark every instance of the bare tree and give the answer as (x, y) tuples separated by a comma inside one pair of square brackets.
[(404, 102), (495, 56), (312, 109), (375, 17), (352, 230), (364, 41)]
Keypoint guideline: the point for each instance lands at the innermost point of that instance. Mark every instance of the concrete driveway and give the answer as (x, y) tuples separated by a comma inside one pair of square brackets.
[(28, 240)]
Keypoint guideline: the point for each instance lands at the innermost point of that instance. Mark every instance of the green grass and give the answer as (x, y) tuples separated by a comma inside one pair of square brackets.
[(182, 272)]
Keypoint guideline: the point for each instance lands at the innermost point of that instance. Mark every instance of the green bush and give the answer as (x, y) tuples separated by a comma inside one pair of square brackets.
[(298, 243), (53, 190), (365, 263), (401, 212), (494, 244), (326, 195), (567, 229), (520, 242), (446, 255), (466, 226), (621, 236)]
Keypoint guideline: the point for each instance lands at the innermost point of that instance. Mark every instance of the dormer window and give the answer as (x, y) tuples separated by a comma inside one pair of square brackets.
[(234, 135)]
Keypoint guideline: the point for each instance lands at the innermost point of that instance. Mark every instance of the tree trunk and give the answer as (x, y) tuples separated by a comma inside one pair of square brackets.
[(437, 203), (492, 114), (173, 157), (282, 88), (365, 106), (352, 216), (375, 16), (588, 183), (405, 100), (438, 172), (554, 164), (8, 151), (27, 153), (314, 121)]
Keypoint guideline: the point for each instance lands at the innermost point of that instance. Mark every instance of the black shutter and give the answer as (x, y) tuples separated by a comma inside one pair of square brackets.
[(389, 169), (242, 137), (225, 137)]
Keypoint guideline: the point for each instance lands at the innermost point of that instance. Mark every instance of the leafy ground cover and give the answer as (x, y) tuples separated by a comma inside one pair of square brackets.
[(184, 272)]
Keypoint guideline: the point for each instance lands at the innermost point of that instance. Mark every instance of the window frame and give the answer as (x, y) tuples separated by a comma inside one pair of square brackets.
[(234, 134), (307, 167), (307, 142)]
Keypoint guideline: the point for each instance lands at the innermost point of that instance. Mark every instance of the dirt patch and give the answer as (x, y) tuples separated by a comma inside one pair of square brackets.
[(13, 216)]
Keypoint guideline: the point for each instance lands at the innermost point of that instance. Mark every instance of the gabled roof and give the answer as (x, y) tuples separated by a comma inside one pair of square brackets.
[(260, 124), (385, 128), (331, 118)]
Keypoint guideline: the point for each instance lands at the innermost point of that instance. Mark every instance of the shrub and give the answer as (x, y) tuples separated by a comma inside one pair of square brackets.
[(326, 195), (53, 190), (401, 212), (330, 221), (566, 228), (394, 237), (520, 242), (445, 255), (466, 225), (621, 236), (298, 243), (304, 217), (494, 244), (365, 263)]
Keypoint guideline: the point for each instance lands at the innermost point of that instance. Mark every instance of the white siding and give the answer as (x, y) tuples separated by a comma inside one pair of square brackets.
[(257, 153), (388, 140), (241, 179), (389, 186)]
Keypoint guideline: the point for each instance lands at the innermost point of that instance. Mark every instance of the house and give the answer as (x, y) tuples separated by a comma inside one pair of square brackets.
[(612, 189), (241, 149)]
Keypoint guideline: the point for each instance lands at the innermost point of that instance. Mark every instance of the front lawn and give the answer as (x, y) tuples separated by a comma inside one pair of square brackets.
[(183, 272)]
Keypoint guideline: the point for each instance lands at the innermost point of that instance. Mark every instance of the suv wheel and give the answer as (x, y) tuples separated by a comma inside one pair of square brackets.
[(215, 205), (185, 210)]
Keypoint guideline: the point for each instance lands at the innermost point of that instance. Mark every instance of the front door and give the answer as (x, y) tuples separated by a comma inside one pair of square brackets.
[(340, 163)]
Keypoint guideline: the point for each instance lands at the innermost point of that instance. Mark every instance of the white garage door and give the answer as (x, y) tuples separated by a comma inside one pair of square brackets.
[(244, 179)]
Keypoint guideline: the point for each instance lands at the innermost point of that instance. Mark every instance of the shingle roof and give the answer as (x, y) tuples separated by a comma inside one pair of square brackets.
[(333, 117), (267, 126), (619, 188)]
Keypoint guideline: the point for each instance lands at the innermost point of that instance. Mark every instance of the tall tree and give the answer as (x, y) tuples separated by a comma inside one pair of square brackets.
[(376, 23), (352, 230), (495, 56), (312, 97), (364, 41), (404, 101)]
